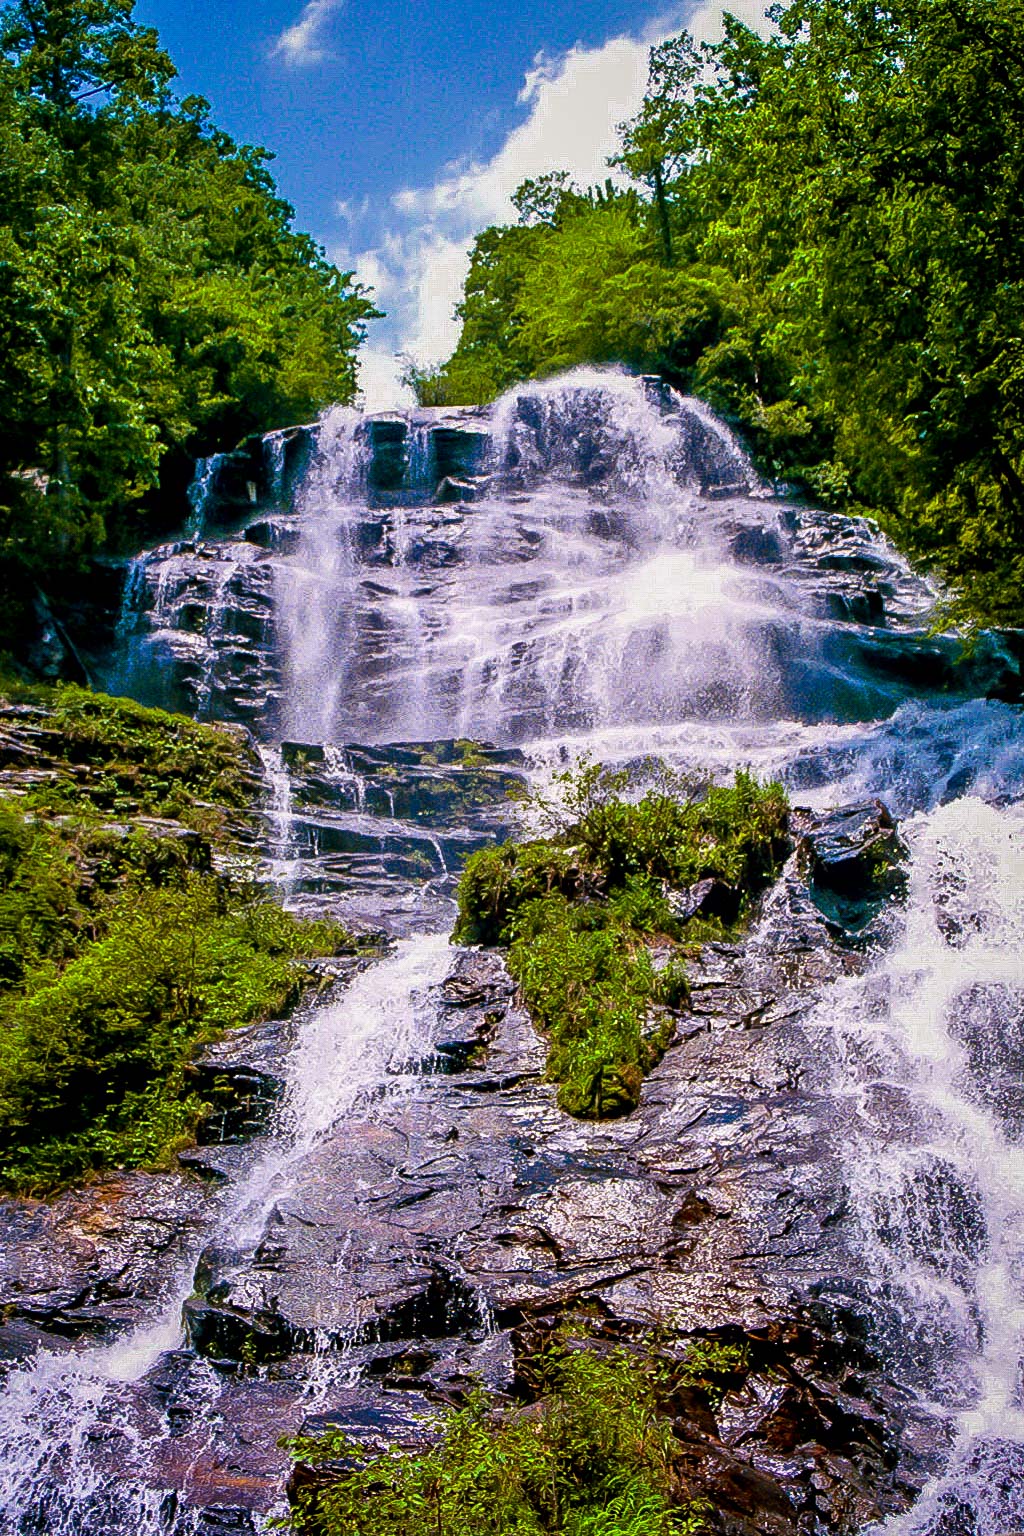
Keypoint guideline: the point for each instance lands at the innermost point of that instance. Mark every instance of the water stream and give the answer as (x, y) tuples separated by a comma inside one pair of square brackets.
[(76, 1444), (594, 567)]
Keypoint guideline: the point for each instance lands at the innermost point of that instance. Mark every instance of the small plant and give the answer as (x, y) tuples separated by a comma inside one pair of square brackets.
[(714, 1366), (592, 1455)]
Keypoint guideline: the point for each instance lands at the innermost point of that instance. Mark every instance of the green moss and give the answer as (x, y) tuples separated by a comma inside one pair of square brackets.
[(580, 909), (592, 1456), (125, 759)]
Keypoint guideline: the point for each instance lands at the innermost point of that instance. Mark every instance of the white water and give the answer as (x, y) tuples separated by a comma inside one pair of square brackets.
[(58, 1409), (591, 601), (601, 595), (312, 628), (927, 1057), (199, 494)]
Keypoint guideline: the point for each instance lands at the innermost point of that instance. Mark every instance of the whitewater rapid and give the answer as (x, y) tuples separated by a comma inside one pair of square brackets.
[(613, 579)]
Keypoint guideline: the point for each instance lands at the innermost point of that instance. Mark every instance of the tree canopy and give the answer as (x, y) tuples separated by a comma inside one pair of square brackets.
[(155, 301), (824, 240)]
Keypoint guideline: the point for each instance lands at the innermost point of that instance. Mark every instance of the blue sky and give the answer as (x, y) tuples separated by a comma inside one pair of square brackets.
[(400, 129)]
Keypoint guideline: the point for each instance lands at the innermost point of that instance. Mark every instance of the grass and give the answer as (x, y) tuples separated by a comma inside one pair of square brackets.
[(122, 951), (582, 908), (592, 1454)]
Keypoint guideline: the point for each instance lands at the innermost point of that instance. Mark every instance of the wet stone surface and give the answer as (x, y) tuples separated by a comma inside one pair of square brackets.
[(425, 1244), (441, 1231), (94, 1259)]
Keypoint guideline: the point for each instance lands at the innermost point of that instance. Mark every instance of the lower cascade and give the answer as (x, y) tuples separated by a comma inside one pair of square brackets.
[(415, 615)]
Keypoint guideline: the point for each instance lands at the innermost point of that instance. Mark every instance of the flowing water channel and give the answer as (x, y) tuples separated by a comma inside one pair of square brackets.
[(590, 567)]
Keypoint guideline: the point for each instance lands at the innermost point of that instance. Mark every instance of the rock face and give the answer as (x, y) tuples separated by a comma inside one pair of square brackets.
[(377, 835), (404, 516), (94, 1259), (444, 1230)]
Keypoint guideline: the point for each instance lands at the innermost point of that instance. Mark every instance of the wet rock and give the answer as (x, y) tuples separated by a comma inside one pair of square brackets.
[(852, 859), (708, 898), (279, 534), (757, 545), (452, 489), (97, 1258), (387, 436), (866, 606), (239, 480), (461, 447), (429, 1241), (844, 849)]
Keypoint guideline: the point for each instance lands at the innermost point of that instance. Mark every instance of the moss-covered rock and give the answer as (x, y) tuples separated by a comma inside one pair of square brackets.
[(581, 908), (122, 950)]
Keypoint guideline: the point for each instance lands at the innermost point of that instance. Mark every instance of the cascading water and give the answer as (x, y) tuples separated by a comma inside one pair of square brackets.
[(927, 1059), (523, 614), (593, 566), (314, 629), (57, 1410), (200, 494)]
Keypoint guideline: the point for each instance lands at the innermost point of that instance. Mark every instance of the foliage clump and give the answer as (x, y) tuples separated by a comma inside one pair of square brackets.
[(122, 951), (580, 909), (592, 1455), (124, 758)]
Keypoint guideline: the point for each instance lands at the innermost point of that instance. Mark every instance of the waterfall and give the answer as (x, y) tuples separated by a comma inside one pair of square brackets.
[(591, 566), (57, 1409), (927, 1058), (282, 853), (200, 494), (517, 615), (316, 600), (275, 455)]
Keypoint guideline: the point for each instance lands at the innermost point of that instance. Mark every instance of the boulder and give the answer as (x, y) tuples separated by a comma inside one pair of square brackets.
[(852, 859)]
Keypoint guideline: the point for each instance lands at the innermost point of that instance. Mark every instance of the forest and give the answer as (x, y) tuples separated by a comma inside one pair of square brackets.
[(155, 301), (819, 233)]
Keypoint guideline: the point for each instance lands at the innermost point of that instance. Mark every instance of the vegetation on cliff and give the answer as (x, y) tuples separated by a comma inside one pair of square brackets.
[(822, 239), (155, 301), (122, 948), (582, 908), (591, 1454)]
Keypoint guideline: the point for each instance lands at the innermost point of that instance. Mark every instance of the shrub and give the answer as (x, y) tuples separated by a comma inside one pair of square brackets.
[(579, 909), (94, 1055), (121, 951), (592, 1456), (142, 760)]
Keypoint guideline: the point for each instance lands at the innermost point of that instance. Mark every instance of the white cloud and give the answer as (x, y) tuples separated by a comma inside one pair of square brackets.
[(380, 381), (574, 104), (304, 42), (350, 212)]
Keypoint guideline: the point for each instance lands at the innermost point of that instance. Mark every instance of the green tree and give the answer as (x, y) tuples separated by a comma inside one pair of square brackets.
[(155, 300)]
